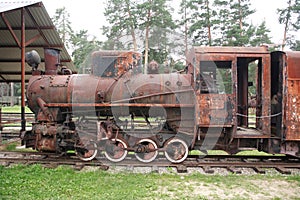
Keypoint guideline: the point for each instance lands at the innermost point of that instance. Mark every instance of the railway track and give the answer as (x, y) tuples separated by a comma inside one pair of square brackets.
[(46, 159), (8, 136), (208, 164), (10, 125)]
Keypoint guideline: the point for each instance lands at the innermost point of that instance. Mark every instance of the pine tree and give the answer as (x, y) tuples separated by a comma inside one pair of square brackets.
[(290, 17), (201, 21), (83, 46), (222, 21), (114, 41), (61, 20), (184, 21), (150, 19), (154, 14), (239, 32), (261, 35), (122, 15), (295, 45)]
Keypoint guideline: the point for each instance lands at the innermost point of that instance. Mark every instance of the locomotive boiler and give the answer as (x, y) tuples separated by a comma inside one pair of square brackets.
[(117, 109)]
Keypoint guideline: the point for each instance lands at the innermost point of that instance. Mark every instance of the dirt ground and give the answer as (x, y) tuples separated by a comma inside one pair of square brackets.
[(253, 189), (259, 190)]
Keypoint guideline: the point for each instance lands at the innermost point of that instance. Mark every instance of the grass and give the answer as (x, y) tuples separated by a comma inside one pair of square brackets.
[(11, 146), (15, 109), (36, 182)]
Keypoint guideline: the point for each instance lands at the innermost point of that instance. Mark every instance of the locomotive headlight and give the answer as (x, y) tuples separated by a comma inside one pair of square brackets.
[(33, 59)]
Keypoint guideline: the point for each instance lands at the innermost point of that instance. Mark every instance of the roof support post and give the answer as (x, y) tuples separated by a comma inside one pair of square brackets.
[(23, 120)]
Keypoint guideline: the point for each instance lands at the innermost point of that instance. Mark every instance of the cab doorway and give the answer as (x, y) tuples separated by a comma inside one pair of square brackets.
[(249, 92)]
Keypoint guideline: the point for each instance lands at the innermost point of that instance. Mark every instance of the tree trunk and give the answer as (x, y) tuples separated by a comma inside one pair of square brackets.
[(240, 17), (147, 40), (146, 48), (185, 35), (133, 40), (132, 27), (286, 25), (208, 22)]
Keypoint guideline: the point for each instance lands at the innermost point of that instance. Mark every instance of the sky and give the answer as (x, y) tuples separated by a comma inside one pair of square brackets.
[(88, 15)]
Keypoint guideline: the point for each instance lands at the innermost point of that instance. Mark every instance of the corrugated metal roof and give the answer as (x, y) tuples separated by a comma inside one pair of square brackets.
[(11, 5), (40, 33)]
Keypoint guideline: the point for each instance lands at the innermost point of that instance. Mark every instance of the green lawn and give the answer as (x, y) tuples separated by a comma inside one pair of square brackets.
[(15, 109), (36, 182)]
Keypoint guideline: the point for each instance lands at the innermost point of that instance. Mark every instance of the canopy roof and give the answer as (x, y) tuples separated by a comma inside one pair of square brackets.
[(39, 33)]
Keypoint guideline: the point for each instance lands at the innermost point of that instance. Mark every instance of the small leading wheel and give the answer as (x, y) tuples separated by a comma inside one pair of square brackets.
[(88, 152), (176, 150), (115, 150), (147, 150)]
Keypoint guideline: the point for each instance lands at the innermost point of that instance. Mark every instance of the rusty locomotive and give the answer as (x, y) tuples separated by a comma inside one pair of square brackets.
[(117, 109)]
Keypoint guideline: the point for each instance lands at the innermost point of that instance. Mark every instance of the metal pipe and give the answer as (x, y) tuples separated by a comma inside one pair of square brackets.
[(44, 109)]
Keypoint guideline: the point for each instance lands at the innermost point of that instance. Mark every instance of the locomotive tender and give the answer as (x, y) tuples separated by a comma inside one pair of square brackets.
[(117, 109)]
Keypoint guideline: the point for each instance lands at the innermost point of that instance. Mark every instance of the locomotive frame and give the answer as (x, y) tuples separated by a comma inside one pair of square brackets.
[(204, 108)]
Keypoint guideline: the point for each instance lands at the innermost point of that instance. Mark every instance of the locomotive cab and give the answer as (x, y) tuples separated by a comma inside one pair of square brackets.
[(115, 63), (248, 98), (227, 79)]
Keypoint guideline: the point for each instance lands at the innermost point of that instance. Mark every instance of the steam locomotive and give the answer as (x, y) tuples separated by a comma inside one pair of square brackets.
[(117, 109)]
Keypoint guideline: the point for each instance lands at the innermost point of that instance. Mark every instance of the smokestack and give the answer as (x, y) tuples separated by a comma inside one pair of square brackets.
[(52, 61)]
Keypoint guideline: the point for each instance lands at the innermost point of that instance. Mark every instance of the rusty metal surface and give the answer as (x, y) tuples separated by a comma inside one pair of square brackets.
[(70, 105), (52, 61), (264, 96), (240, 57), (215, 109), (205, 108), (23, 69), (293, 110), (293, 60), (159, 88), (232, 50), (292, 96), (115, 63), (73, 90)]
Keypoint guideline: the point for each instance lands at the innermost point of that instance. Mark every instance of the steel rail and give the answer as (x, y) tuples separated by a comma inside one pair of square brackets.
[(232, 163)]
